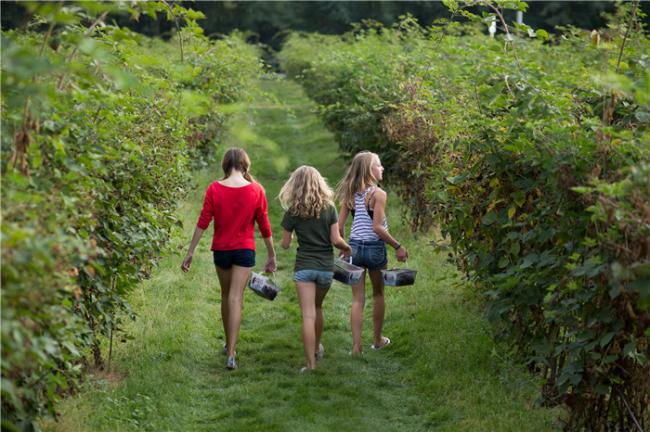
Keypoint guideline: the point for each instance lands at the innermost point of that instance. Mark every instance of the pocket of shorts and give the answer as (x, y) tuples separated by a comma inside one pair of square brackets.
[(357, 258), (377, 256), (325, 278), (302, 276)]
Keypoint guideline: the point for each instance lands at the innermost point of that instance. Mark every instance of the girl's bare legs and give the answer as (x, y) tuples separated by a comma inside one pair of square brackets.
[(224, 282), (320, 296), (378, 305), (238, 279), (356, 315), (307, 297)]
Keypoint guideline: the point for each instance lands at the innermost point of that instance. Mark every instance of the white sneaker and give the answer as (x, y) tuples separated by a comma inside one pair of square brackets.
[(385, 344), (320, 353)]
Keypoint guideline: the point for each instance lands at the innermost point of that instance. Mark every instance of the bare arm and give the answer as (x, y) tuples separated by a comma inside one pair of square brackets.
[(343, 217), (270, 265), (337, 240), (286, 239), (380, 199), (187, 261)]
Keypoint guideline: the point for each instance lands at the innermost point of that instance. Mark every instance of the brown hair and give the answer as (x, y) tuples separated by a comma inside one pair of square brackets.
[(306, 193), (236, 158), (357, 178)]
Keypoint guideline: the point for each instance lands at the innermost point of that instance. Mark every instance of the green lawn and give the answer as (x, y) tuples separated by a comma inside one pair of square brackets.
[(438, 374)]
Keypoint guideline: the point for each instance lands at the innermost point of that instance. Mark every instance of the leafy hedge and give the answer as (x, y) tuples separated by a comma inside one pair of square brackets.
[(532, 155), (100, 129)]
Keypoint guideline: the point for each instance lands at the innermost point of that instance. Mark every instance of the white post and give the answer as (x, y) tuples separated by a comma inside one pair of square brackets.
[(520, 17), (493, 27)]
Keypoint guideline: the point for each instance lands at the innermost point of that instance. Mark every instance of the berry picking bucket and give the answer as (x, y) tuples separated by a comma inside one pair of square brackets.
[(346, 272), (263, 286), (399, 277)]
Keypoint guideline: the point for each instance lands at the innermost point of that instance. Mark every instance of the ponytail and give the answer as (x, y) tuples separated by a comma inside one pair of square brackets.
[(236, 159)]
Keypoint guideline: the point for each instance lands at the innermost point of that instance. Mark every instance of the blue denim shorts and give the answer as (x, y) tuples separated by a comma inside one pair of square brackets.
[(322, 279), (238, 257), (370, 254)]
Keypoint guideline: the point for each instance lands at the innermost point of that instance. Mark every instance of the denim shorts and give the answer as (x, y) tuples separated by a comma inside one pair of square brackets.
[(370, 254), (322, 278), (238, 257)]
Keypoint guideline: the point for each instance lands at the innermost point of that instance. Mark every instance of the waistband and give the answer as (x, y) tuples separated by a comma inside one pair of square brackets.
[(368, 242)]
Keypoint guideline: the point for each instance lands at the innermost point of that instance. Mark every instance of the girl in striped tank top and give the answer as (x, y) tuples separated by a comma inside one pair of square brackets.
[(361, 197)]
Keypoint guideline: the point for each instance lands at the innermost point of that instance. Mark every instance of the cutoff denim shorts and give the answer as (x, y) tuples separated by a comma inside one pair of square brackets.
[(322, 279), (370, 254)]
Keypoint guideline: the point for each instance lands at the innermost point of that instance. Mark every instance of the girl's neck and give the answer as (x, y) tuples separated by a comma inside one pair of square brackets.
[(235, 174), (235, 178)]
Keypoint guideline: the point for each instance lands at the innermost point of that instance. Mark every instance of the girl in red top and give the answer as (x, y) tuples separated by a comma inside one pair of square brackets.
[(235, 203)]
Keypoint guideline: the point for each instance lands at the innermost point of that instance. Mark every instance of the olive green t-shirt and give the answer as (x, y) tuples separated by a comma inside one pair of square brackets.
[(315, 250)]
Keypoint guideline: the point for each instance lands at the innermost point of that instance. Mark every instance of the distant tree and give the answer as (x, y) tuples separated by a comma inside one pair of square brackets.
[(269, 21)]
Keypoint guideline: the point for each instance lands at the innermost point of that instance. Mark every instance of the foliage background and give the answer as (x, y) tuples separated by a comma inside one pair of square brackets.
[(531, 154), (100, 129)]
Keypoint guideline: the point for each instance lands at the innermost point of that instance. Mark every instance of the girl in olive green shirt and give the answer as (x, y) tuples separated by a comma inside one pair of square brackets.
[(310, 213)]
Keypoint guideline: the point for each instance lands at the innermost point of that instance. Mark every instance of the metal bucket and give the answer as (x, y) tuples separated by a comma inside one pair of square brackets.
[(399, 277), (346, 272), (263, 286)]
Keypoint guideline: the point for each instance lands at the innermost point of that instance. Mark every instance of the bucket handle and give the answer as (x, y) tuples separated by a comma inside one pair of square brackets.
[(348, 260), (403, 266), (272, 277)]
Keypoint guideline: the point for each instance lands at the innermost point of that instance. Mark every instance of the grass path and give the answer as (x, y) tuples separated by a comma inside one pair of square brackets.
[(439, 374)]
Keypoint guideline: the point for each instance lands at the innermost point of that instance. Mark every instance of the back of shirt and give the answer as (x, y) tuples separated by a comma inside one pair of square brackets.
[(235, 211), (315, 250)]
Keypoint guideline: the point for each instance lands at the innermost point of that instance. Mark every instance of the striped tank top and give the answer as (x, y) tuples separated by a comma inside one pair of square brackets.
[(362, 221)]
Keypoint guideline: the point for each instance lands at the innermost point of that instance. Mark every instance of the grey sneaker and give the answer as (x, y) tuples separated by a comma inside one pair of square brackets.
[(231, 363), (320, 353)]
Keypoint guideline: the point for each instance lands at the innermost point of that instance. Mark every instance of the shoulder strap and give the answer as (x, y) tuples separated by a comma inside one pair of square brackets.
[(369, 194)]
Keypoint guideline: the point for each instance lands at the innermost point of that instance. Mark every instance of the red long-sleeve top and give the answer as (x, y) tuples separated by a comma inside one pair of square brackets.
[(235, 211)]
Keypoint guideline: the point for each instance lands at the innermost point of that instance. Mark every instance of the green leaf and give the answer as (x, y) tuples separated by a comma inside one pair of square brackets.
[(606, 338), (519, 197), (455, 180), (642, 286), (642, 116), (541, 34), (529, 260), (515, 247), (489, 218), (629, 348)]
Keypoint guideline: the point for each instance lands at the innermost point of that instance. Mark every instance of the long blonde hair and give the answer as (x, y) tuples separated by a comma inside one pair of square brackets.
[(358, 177), (306, 194), (236, 158)]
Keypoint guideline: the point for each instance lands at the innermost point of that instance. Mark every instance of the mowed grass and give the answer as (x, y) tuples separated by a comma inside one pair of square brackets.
[(438, 374)]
